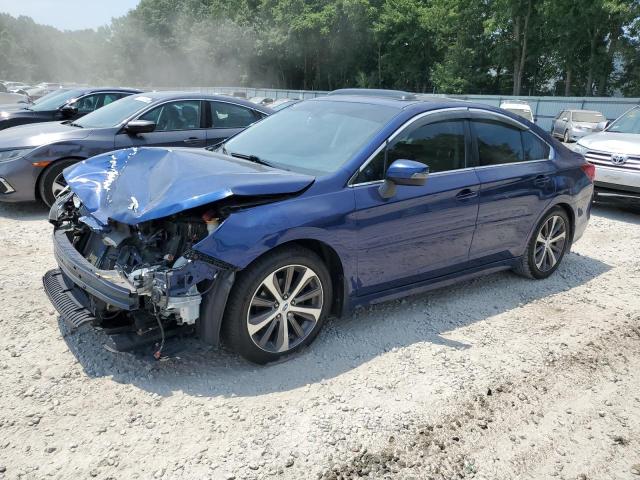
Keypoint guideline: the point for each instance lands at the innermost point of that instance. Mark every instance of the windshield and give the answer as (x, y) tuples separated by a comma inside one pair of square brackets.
[(627, 123), (589, 117), (314, 137), (55, 101), (115, 113), (521, 112)]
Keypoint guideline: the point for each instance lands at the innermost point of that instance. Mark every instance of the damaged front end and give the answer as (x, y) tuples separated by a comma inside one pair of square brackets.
[(138, 283)]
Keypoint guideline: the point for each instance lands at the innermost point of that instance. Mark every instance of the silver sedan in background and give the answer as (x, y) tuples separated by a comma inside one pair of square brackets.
[(571, 125)]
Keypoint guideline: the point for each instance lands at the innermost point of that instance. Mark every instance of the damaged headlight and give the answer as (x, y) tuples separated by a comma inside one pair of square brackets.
[(7, 155)]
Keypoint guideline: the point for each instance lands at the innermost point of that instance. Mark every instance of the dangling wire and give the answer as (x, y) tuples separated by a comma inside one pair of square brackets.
[(158, 353)]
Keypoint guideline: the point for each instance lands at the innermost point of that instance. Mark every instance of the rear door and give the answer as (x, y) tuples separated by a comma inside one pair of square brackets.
[(422, 231), (516, 174), (225, 119), (179, 123)]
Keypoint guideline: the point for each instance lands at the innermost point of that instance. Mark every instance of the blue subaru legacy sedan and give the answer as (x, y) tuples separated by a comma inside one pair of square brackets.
[(350, 199)]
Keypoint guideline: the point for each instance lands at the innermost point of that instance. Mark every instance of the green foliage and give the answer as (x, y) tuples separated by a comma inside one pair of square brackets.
[(446, 46)]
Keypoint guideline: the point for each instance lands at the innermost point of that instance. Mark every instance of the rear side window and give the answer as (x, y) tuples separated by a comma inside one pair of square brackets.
[(534, 148), (228, 115), (439, 145), (497, 143)]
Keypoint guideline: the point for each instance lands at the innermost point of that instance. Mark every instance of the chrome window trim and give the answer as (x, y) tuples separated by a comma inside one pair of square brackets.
[(552, 152)]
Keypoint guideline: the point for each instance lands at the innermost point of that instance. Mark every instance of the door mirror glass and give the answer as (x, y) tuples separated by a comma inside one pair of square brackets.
[(403, 172), (135, 127)]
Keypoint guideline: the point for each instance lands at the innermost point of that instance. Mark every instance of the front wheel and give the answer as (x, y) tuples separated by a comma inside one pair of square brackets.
[(547, 246), (52, 181), (277, 305), (566, 138)]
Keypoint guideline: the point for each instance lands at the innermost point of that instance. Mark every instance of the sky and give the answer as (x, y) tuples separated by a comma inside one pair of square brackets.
[(69, 14)]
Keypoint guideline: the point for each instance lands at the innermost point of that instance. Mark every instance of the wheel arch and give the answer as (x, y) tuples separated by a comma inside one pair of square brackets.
[(45, 169), (211, 324)]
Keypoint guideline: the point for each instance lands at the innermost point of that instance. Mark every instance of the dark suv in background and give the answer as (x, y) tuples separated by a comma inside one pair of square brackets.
[(32, 157), (63, 104)]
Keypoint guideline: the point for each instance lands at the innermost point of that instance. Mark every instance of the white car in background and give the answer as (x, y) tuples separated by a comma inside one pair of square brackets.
[(616, 154), (518, 107)]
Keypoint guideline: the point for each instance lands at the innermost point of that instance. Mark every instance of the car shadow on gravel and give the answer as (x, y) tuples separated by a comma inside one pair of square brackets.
[(32, 211), (619, 213), (344, 344)]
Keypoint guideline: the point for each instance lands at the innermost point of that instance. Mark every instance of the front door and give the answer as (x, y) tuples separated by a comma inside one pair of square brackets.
[(422, 231)]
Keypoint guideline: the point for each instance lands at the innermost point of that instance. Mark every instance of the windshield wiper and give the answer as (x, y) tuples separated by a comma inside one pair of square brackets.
[(73, 124), (251, 158)]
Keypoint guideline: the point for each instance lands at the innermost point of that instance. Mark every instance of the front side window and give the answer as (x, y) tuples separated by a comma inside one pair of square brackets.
[(497, 143), (228, 115), (440, 146), (87, 104), (182, 115)]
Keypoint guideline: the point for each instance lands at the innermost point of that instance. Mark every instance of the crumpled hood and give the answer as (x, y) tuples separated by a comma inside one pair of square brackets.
[(140, 184), (37, 134), (627, 143)]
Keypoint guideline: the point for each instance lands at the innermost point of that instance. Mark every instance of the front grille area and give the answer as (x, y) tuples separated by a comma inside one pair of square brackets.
[(604, 159)]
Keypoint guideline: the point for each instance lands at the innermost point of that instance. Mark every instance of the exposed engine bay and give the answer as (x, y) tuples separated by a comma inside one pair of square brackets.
[(154, 258)]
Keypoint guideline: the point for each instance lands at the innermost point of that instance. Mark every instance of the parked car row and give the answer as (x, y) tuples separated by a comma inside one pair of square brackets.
[(32, 157)]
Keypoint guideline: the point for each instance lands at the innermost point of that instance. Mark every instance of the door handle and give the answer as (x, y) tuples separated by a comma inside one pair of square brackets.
[(466, 194), (191, 140), (542, 180)]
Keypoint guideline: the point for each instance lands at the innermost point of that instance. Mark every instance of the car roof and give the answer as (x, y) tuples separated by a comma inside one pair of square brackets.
[(177, 95), (86, 90), (427, 103)]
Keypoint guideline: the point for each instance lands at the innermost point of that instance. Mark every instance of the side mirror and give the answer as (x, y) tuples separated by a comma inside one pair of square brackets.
[(403, 172), (135, 127), (68, 110), (602, 125), (565, 119)]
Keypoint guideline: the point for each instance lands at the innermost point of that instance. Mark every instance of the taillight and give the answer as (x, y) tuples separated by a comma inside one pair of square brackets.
[(590, 170)]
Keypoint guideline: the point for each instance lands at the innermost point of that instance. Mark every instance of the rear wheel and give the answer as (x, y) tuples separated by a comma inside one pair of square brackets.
[(547, 246), (277, 305), (52, 181)]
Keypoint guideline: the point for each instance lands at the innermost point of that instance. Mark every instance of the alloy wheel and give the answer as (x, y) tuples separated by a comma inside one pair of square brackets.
[(58, 185), (285, 308), (550, 243)]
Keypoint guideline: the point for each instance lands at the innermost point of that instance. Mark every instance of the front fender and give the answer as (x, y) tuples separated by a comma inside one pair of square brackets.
[(247, 234)]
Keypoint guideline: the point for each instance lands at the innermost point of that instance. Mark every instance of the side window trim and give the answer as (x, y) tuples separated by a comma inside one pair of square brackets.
[(433, 117), (498, 117)]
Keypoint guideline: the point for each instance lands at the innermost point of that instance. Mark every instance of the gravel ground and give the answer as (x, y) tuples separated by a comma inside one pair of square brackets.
[(497, 378)]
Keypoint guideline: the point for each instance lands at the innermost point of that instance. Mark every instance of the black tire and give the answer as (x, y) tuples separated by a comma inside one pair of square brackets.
[(528, 266), (48, 178), (565, 137), (246, 290)]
